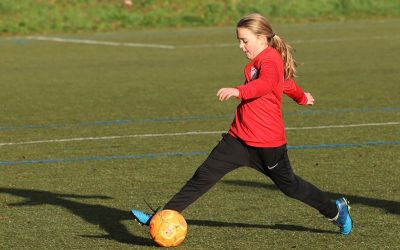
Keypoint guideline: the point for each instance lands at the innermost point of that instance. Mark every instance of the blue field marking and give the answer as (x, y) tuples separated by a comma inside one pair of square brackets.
[(323, 146), (122, 122), (20, 41), (373, 143), (312, 111), (103, 158), (309, 111), (181, 154)]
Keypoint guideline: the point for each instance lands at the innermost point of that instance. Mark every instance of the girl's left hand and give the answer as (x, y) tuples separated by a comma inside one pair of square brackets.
[(226, 93), (310, 99)]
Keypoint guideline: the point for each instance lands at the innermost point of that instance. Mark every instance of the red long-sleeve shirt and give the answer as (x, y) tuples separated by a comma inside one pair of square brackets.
[(258, 120)]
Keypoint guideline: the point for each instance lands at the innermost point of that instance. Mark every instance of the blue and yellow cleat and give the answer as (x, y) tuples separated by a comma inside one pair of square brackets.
[(142, 218), (344, 220)]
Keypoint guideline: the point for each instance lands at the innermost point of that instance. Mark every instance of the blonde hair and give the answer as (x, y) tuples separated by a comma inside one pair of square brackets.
[(260, 26)]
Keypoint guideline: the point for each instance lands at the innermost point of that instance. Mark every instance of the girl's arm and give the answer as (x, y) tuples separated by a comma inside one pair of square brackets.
[(264, 83), (267, 78), (291, 89)]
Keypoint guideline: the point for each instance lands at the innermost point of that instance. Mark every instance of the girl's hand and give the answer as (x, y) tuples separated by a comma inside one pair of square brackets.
[(226, 93), (310, 99)]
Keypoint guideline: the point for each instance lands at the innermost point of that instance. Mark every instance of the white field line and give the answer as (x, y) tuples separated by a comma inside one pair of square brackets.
[(216, 45), (110, 137), (208, 45), (184, 133), (94, 42), (345, 126), (333, 40)]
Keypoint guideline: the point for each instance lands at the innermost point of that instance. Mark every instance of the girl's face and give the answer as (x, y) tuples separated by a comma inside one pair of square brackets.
[(250, 43)]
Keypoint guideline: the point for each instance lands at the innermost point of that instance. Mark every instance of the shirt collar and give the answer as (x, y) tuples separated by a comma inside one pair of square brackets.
[(260, 55)]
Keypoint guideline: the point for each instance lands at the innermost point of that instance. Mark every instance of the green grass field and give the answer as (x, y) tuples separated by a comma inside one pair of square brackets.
[(74, 159)]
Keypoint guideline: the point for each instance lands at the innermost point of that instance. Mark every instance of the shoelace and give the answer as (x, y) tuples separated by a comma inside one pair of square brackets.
[(151, 208)]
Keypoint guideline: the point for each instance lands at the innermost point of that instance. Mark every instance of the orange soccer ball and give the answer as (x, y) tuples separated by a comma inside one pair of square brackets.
[(168, 228)]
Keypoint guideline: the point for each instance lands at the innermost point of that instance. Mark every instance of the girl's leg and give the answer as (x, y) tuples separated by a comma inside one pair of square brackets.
[(228, 155), (274, 162)]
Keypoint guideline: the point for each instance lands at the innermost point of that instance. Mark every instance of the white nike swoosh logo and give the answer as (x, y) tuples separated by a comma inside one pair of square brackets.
[(272, 166)]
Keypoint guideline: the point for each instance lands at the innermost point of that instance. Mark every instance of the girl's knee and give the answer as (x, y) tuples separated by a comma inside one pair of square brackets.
[(291, 187)]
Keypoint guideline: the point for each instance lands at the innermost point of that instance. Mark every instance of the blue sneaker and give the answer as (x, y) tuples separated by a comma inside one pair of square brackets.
[(142, 218), (344, 220)]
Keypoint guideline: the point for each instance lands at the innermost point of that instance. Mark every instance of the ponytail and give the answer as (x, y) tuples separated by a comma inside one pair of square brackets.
[(286, 52)]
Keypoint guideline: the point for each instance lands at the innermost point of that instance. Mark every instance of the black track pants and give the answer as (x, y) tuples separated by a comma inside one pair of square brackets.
[(231, 153)]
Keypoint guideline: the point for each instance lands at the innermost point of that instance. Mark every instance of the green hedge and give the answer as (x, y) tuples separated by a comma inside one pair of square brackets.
[(44, 16)]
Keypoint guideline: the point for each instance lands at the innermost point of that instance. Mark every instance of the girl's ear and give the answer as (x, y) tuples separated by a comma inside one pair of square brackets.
[(263, 39)]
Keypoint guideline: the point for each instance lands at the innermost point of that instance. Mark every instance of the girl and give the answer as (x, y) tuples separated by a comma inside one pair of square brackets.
[(256, 137)]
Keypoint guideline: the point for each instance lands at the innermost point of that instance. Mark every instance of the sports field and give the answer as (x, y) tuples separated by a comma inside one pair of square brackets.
[(91, 124)]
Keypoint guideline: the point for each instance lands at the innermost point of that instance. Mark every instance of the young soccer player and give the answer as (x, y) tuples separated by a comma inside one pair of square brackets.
[(256, 137)]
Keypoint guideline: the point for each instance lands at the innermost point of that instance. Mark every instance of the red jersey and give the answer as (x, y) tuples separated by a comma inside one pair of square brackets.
[(258, 119)]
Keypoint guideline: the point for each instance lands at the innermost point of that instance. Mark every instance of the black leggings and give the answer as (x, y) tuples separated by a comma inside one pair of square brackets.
[(230, 154)]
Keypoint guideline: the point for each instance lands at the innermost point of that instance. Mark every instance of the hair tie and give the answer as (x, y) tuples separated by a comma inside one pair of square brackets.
[(271, 36)]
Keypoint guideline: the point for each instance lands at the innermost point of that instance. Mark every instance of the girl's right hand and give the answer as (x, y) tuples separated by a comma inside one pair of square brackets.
[(226, 93)]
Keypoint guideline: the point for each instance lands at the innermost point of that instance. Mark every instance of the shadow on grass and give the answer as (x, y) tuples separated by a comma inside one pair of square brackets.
[(108, 219), (285, 227), (392, 207)]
